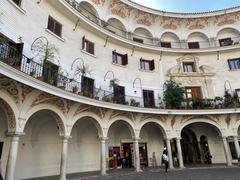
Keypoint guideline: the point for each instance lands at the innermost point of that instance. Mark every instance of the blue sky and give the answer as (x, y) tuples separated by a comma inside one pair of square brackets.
[(188, 5)]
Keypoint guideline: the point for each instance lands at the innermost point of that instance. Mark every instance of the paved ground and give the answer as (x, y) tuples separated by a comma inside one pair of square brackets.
[(194, 173)]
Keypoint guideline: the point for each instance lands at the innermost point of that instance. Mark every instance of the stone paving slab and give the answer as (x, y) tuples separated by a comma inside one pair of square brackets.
[(193, 173)]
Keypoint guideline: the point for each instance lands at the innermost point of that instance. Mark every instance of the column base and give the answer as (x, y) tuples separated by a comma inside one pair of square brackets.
[(138, 170), (62, 178)]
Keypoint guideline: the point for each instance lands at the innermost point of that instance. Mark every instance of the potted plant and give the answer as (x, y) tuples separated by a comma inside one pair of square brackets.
[(113, 83), (173, 95), (218, 102), (74, 89), (97, 92)]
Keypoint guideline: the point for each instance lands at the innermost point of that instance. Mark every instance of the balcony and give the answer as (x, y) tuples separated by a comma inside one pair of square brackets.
[(51, 76), (206, 45)]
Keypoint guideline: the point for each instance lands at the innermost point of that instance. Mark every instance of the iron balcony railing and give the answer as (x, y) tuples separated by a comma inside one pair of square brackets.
[(156, 42), (12, 57)]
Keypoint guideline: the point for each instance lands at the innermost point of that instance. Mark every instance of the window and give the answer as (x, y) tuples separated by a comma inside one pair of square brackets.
[(193, 93), (17, 2), (225, 42), (147, 65), (166, 44), (148, 98), (119, 58), (193, 45), (87, 45), (234, 64), (54, 26), (138, 40), (189, 67)]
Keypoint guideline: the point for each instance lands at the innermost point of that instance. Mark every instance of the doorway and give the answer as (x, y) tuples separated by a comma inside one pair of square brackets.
[(128, 155), (143, 154)]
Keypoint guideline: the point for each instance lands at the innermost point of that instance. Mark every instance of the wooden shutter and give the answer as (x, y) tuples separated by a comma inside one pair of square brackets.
[(151, 65), (50, 24), (125, 59), (91, 47), (83, 42)]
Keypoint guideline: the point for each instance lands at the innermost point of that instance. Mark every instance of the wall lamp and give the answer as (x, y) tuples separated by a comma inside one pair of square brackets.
[(107, 74)]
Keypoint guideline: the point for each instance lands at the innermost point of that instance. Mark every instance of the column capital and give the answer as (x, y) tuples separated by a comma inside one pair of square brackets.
[(15, 134), (136, 138), (103, 138), (66, 137)]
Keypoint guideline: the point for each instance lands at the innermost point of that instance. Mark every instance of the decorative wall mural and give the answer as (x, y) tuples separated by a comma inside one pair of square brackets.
[(119, 9)]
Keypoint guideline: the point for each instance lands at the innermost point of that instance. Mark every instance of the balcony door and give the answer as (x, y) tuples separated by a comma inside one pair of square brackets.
[(87, 85), (119, 94), (148, 98), (193, 93)]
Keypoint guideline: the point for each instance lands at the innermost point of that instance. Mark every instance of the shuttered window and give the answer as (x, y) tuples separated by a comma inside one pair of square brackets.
[(54, 26), (118, 58), (193, 45), (234, 64), (147, 65), (87, 45)]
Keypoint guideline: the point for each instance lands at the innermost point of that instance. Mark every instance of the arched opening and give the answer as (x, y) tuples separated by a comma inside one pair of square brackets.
[(84, 146), (197, 40), (88, 11), (228, 36), (116, 26), (142, 35), (170, 39), (202, 144), (120, 145), (7, 122), (40, 148), (151, 144)]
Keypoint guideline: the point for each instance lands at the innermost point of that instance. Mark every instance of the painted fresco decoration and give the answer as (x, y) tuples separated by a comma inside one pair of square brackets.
[(145, 18), (170, 23), (119, 9), (197, 23), (227, 19)]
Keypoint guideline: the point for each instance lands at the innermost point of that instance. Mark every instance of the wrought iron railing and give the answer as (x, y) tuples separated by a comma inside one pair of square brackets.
[(12, 57), (156, 42)]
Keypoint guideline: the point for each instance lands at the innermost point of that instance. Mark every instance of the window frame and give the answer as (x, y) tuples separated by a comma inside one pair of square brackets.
[(53, 29), (123, 61), (145, 67), (185, 65), (19, 3), (88, 46), (234, 64)]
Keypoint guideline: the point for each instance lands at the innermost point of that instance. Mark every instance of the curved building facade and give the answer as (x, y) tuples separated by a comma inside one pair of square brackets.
[(82, 84)]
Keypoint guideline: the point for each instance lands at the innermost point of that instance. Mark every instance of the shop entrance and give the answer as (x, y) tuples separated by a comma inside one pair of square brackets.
[(143, 154), (127, 155)]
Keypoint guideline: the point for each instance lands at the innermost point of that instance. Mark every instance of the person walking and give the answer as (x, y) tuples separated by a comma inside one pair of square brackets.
[(165, 159)]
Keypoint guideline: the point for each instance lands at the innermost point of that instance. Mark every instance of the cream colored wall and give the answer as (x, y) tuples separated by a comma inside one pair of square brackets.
[(152, 135), (40, 149), (84, 148)]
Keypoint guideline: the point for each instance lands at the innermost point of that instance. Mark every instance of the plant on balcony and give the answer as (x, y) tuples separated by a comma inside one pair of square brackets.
[(173, 95), (113, 83), (44, 51), (218, 102), (228, 100), (74, 89), (82, 70)]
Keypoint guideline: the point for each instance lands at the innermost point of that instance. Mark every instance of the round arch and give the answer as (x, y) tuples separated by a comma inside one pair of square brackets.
[(157, 122), (172, 37), (94, 119), (116, 26), (89, 10), (207, 120), (231, 28), (142, 30), (10, 109), (126, 121), (200, 36), (54, 111)]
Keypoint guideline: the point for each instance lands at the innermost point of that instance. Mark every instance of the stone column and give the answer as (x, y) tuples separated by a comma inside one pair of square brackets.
[(237, 146), (179, 152), (227, 151), (169, 149), (12, 157), (201, 153), (137, 158), (103, 156), (63, 166)]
